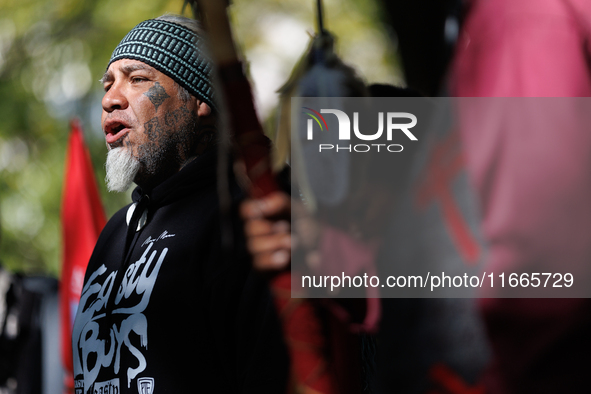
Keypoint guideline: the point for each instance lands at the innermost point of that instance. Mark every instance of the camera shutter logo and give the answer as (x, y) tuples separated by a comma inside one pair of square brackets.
[(314, 115)]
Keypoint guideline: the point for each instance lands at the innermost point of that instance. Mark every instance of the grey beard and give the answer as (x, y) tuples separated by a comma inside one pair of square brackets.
[(122, 169)]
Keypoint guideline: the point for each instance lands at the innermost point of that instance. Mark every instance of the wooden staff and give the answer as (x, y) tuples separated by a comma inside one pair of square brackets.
[(301, 326)]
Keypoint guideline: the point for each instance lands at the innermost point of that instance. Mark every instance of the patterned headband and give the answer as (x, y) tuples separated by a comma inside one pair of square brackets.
[(172, 49)]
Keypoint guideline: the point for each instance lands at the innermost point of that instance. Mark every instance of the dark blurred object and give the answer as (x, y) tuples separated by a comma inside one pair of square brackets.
[(426, 32), (384, 90), (426, 345), (26, 345), (320, 72)]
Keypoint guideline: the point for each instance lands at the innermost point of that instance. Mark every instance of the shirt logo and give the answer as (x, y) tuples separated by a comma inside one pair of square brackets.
[(145, 385)]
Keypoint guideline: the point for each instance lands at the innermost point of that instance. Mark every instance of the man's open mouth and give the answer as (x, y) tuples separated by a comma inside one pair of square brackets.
[(115, 131)]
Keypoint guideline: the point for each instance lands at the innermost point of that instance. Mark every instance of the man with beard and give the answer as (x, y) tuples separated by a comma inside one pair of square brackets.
[(164, 307)]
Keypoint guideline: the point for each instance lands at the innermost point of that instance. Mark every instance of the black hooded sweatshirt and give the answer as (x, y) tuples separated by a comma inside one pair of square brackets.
[(178, 313)]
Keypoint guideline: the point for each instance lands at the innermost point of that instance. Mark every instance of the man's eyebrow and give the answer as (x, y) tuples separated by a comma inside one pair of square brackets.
[(107, 77), (134, 67), (128, 69)]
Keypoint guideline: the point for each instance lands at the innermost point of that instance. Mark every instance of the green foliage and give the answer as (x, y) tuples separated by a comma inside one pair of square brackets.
[(52, 54)]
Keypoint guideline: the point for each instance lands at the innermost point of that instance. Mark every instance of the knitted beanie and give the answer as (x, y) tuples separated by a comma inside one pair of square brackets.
[(172, 49)]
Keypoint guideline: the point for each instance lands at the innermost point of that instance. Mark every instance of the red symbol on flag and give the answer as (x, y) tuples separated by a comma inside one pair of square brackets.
[(446, 162), (449, 382)]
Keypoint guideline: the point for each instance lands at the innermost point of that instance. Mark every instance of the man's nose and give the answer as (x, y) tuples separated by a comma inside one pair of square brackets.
[(114, 99)]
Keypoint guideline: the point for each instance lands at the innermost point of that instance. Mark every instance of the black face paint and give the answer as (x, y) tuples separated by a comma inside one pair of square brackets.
[(152, 129), (157, 94), (172, 119), (171, 141)]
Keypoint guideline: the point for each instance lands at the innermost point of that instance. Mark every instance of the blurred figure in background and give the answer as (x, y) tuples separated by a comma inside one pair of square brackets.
[(530, 170), (29, 362), (527, 191)]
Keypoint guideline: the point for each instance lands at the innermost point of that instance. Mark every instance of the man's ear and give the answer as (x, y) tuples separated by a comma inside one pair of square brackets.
[(203, 109)]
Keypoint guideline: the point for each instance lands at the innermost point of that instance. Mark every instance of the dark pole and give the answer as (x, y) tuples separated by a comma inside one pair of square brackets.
[(320, 14)]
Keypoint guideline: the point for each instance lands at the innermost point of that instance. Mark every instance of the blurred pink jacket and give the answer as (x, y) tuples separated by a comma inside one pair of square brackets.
[(533, 178)]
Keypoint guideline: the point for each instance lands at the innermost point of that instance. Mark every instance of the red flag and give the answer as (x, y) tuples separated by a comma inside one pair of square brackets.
[(83, 218)]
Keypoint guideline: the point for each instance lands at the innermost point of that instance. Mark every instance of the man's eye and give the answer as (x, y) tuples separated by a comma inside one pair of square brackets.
[(107, 87), (138, 79)]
